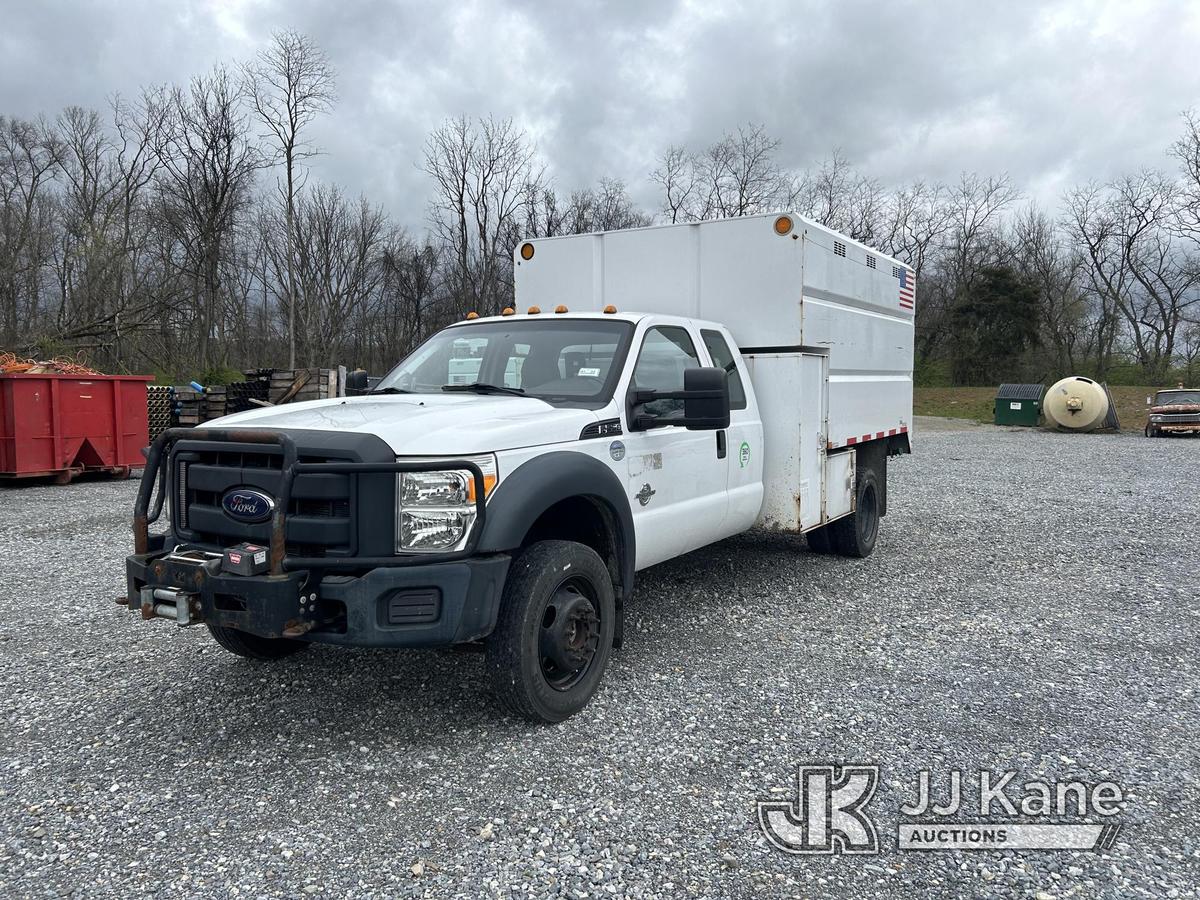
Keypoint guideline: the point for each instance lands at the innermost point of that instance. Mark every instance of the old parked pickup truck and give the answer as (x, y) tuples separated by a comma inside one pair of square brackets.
[(1173, 412)]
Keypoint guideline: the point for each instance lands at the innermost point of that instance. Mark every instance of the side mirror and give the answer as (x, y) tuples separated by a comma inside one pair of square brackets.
[(1149, 401), (356, 383), (705, 397)]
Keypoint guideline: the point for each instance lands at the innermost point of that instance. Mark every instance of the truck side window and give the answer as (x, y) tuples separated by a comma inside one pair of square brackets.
[(721, 355), (667, 352)]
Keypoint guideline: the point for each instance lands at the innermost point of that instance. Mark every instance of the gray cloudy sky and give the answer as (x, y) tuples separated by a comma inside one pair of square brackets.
[(1052, 92)]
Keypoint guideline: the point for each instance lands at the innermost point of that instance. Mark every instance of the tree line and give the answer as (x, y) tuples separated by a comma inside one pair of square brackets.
[(179, 233)]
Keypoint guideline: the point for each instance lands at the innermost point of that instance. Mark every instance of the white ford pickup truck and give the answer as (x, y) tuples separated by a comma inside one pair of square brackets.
[(660, 389)]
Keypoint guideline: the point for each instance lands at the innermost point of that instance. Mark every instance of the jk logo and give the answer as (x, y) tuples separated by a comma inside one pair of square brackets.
[(828, 815)]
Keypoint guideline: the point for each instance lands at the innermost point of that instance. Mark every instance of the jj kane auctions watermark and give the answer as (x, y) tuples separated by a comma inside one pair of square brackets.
[(981, 810)]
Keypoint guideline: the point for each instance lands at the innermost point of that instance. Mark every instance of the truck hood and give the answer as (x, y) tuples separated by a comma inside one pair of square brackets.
[(427, 424)]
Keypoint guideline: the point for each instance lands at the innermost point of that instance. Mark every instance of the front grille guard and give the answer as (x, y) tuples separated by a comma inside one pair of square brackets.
[(155, 475)]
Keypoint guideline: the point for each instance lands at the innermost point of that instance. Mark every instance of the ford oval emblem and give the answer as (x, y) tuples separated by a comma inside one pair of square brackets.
[(247, 505)]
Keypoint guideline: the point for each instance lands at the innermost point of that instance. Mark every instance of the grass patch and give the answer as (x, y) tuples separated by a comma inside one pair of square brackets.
[(975, 403)]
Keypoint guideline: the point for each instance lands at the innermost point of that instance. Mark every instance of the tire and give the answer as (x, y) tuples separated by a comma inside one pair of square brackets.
[(855, 535), (819, 540), (573, 580), (251, 646)]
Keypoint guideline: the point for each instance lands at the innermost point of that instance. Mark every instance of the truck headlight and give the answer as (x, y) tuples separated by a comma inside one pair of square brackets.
[(436, 510), (1156, 418)]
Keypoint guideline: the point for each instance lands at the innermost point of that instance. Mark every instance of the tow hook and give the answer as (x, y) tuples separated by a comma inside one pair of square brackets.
[(169, 603)]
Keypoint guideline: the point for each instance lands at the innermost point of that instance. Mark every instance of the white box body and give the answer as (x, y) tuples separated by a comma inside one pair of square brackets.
[(824, 323)]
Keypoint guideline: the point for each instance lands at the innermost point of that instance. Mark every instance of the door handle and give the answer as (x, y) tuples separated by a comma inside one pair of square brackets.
[(721, 448)]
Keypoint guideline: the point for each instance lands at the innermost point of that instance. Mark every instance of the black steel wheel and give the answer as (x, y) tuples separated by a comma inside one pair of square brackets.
[(855, 535), (554, 632)]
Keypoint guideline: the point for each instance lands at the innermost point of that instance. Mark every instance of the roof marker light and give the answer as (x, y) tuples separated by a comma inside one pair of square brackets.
[(507, 311), (534, 310), (783, 225), (560, 308), (472, 315), (609, 310), (527, 251)]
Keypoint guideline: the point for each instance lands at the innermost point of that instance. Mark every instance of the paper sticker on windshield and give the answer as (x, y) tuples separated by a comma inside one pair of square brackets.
[(588, 373)]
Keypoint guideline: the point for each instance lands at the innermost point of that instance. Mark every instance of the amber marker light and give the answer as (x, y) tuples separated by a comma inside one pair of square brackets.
[(527, 251), (783, 225)]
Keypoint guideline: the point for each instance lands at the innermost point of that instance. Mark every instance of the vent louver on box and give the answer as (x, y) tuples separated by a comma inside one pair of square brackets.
[(839, 249), (870, 261), (897, 272)]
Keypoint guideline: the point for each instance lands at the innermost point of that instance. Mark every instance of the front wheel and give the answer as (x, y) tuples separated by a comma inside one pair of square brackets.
[(251, 646), (554, 632)]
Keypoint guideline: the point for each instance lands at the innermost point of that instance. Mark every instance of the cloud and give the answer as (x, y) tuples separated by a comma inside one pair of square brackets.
[(1054, 93)]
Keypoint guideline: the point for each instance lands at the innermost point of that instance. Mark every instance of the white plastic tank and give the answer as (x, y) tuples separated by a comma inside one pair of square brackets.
[(1076, 404)]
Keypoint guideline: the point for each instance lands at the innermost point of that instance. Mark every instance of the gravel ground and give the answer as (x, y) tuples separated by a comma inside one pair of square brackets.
[(1032, 605)]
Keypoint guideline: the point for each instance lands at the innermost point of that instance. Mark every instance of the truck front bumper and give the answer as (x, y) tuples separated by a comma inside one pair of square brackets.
[(429, 605)]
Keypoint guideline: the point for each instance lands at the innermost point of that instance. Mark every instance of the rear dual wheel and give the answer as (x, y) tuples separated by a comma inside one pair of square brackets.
[(554, 632), (853, 535)]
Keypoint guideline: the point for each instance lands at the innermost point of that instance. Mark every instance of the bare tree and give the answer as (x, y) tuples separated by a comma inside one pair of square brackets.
[(208, 165), (290, 84), (840, 197), (482, 173), (30, 156), (1129, 233), (1045, 260), (676, 175), (738, 175)]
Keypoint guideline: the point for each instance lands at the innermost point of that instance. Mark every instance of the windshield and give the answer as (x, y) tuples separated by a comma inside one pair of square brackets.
[(1176, 398), (573, 362)]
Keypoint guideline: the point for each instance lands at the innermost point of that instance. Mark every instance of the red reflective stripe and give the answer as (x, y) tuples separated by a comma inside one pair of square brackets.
[(878, 435), (903, 428), (851, 441), (866, 437), (890, 433)]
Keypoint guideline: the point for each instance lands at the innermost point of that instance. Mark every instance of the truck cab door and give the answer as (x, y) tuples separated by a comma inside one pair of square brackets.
[(743, 439), (675, 478)]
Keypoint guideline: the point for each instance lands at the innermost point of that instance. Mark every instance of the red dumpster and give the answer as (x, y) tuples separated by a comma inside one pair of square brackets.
[(63, 425)]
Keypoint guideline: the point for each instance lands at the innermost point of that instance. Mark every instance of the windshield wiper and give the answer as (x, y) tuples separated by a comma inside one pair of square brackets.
[(389, 390), (479, 387)]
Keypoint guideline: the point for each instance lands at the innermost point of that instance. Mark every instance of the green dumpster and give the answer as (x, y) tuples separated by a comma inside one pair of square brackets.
[(1019, 404)]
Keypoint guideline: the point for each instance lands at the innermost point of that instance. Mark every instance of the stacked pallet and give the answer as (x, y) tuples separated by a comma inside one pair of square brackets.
[(188, 406), (158, 409), (214, 402), (298, 385)]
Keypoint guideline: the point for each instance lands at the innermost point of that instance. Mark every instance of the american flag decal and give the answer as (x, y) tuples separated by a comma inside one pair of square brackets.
[(908, 287)]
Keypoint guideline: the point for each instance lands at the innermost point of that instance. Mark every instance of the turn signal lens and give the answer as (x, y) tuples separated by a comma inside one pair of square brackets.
[(783, 225), (527, 251)]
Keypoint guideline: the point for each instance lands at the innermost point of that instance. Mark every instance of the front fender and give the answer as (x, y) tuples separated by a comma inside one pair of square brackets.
[(538, 484)]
